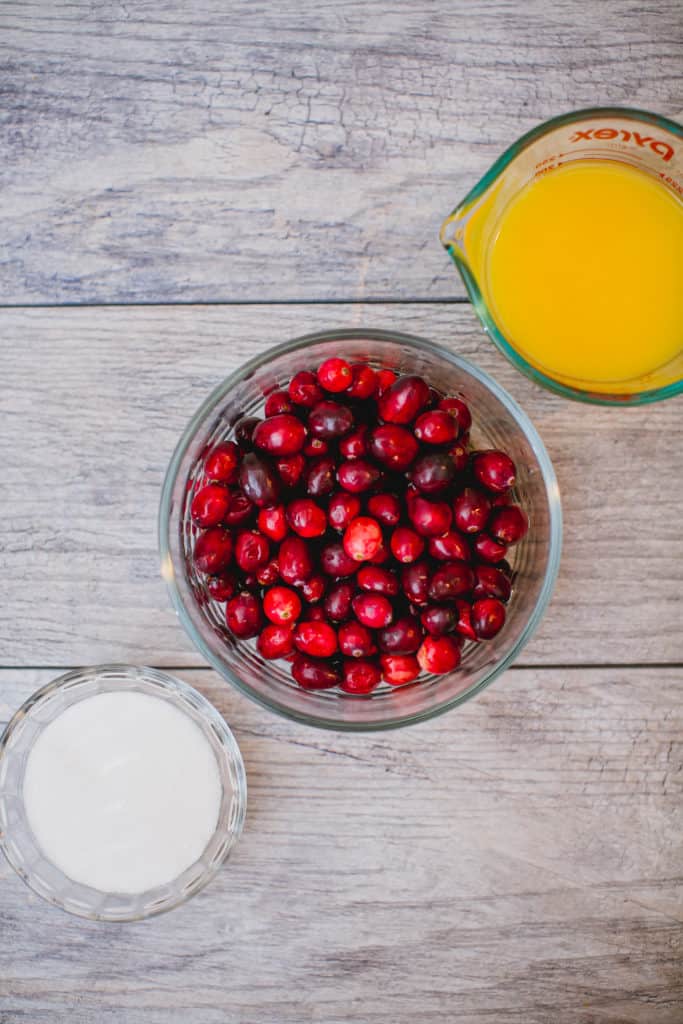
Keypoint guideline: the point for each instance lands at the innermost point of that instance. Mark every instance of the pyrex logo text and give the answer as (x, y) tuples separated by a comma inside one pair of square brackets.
[(662, 149)]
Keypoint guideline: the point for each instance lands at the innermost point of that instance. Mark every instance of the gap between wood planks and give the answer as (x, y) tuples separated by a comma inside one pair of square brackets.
[(376, 301)]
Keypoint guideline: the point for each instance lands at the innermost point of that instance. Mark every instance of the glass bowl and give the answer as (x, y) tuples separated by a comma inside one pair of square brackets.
[(17, 839), (498, 421)]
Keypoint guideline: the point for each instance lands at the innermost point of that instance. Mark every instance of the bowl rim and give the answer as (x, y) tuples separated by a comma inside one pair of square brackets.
[(389, 337)]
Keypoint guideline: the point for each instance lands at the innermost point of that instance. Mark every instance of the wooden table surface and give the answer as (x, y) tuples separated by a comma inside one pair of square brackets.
[(185, 184)]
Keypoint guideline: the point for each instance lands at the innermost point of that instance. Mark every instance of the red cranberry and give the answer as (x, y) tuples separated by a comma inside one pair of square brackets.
[(338, 600), (342, 508), (463, 625), (449, 548), (508, 524), (382, 555), (328, 420), (315, 638), (451, 580), (459, 456), (379, 581), (243, 615), (315, 446), (456, 408), (357, 475), (273, 522), (213, 551), (210, 504), (438, 654), (398, 669), (355, 640), (295, 560), (403, 636), (471, 509), (283, 434), (244, 430), (438, 619), (290, 469), (488, 616), (312, 674), (275, 641), (335, 562), (269, 573), (385, 378), (222, 463), (320, 476), (490, 581), (395, 447), (415, 582), (362, 538), (432, 473), (277, 402), (494, 469), (406, 545), (304, 389), (313, 613), (222, 587), (435, 427), (386, 508), (249, 582), (363, 381), (313, 589), (372, 610), (402, 402), (240, 511), (488, 549), (258, 480), (306, 518), (251, 550), (282, 605), (355, 445), (360, 677), (334, 375), (430, 518)]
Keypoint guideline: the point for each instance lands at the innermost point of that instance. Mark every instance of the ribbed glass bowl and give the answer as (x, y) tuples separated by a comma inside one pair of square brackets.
[(497, 422)]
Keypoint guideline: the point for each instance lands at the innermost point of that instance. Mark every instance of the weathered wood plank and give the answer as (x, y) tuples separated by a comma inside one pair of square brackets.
[(94, 400), (236, 151), (516, 861)]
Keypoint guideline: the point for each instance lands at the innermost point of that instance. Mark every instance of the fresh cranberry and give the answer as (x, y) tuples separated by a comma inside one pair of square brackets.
[(295, 560), (362, 538), (244, 616), (251, 550), (355, 445), (334, 375), (320, 476), (304, 389), (459, 456), (282, 605), (329, 420), (403, 636), (342, 508), (335, 562), (273, 522), (394, 446), (357, 475), (491, 581), (430, 518), (449, 548), (488, 549), (259, 480), (398, 669), (306, 518), (277, 402), (438, 654), (222, 463), (432, 473), (363, 381), (314, 613), (360, 677), (471, 509), (222, 587), (290, 469), (313, 589), (210, 504), (382, 555), (244, 430), (385, 378), (283, 434), (355, 640), (451, 580), (213, 551), (402, 402), (438, 619), (275, 641), (415, 582), (488, 616), (315, 446), (377, 580), (312, 674), (463, 625), (508, 524), (457, 409), (372, 610), (406, 544), (494, 469), (269, 573), (315, 638), (240, 511), (386, 508), (435, 427), (250, 582), (338, 600)]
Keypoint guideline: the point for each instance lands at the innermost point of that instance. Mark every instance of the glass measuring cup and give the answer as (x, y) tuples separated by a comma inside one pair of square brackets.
[(645, 141)]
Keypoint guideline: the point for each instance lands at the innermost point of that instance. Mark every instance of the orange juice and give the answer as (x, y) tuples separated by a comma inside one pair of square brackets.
[(584, 273)]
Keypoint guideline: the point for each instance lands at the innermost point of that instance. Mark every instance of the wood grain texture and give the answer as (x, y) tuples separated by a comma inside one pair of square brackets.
[(164, 152), (94, 401), (515, 861)]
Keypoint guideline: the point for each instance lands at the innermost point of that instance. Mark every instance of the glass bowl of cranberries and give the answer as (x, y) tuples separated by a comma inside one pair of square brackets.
[(360, 530)]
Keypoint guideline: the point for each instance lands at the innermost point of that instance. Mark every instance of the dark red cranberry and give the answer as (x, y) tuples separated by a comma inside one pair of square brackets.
[(259, 480), (504, 498), (282, 605), (372, 610), (342, 508), (463, 625), (250, 582), (240, 511), (334, 375), (430, 518), (386, 508), (275, 641), (452, 547), (438, 654), (403, 636), (398, 669), (459, 456), (355, 640), (269, 573), (283, 434), (382, 555), (451, 580), (355, 445), (313, 589), (244, 430), (357, 475), (213, 551), (222, 587), (456, 408), (363, 381), (294, 559), (360, 677), (488, 617), (415, 582), (222, 463), (490, 581), (251, 550), (277, 402), (508, 524), (338, 600), (438, 619), (362, 538), (435, 427), (494, 469), (335, 562), (489, 550), (471, 509), (312, 674), (406, 544), (395, 447), (320, 476), (402, 402), (315, 638), (432, 473), (315, 446), (244, 616), (306, 518), (290, 469), (304, 389), (385, 378), (210, 504), (272, 522), (377, 580), (314, 613), (328, 420)]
